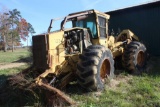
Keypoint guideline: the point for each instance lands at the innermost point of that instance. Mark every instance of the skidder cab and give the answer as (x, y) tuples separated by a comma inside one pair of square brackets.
[(87, 27)]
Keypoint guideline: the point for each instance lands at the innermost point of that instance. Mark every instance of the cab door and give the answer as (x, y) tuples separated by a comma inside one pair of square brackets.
[(102, 30)]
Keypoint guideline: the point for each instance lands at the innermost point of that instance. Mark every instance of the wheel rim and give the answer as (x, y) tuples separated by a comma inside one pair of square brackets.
[(105, 69), (140, 58)]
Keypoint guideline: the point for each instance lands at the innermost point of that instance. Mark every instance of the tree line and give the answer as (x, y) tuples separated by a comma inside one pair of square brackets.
[(13, 28)]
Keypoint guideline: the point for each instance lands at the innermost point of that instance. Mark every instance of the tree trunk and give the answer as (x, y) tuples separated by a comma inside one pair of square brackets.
[(5, 44), (27, 41), (12, 43), (12, 36)]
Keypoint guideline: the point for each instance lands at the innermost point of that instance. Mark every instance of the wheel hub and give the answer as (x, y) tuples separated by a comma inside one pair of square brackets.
[(105, 69), (140, 58)]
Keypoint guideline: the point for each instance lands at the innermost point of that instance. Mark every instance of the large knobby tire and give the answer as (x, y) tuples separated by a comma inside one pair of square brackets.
[(95, 65), (135, 57)]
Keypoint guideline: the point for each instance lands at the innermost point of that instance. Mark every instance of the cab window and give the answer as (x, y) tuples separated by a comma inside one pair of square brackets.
[(89, 22), (102, 26)]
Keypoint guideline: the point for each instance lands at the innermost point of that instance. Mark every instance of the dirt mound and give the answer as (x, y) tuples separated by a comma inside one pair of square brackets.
[(21, 90)]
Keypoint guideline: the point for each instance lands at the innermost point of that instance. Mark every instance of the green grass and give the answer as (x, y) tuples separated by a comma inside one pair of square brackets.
[(143, 91), (12, 71), (9, 56)]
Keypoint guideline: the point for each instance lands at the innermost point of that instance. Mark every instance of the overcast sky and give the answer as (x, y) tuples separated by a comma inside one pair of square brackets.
[(40, 12)]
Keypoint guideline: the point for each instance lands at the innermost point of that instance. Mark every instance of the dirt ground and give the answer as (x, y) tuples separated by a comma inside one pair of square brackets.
[(11, 65)]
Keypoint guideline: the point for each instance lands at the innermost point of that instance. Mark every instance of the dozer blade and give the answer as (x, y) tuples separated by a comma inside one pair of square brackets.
[(57, 92), (46, 86)]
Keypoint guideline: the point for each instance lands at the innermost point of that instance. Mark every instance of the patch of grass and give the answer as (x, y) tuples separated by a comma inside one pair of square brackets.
[(141, 91), (9, 56), (12, 71)]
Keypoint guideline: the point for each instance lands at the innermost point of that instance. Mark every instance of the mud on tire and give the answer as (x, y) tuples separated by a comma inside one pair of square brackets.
[(134, 57), (95, 65)]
